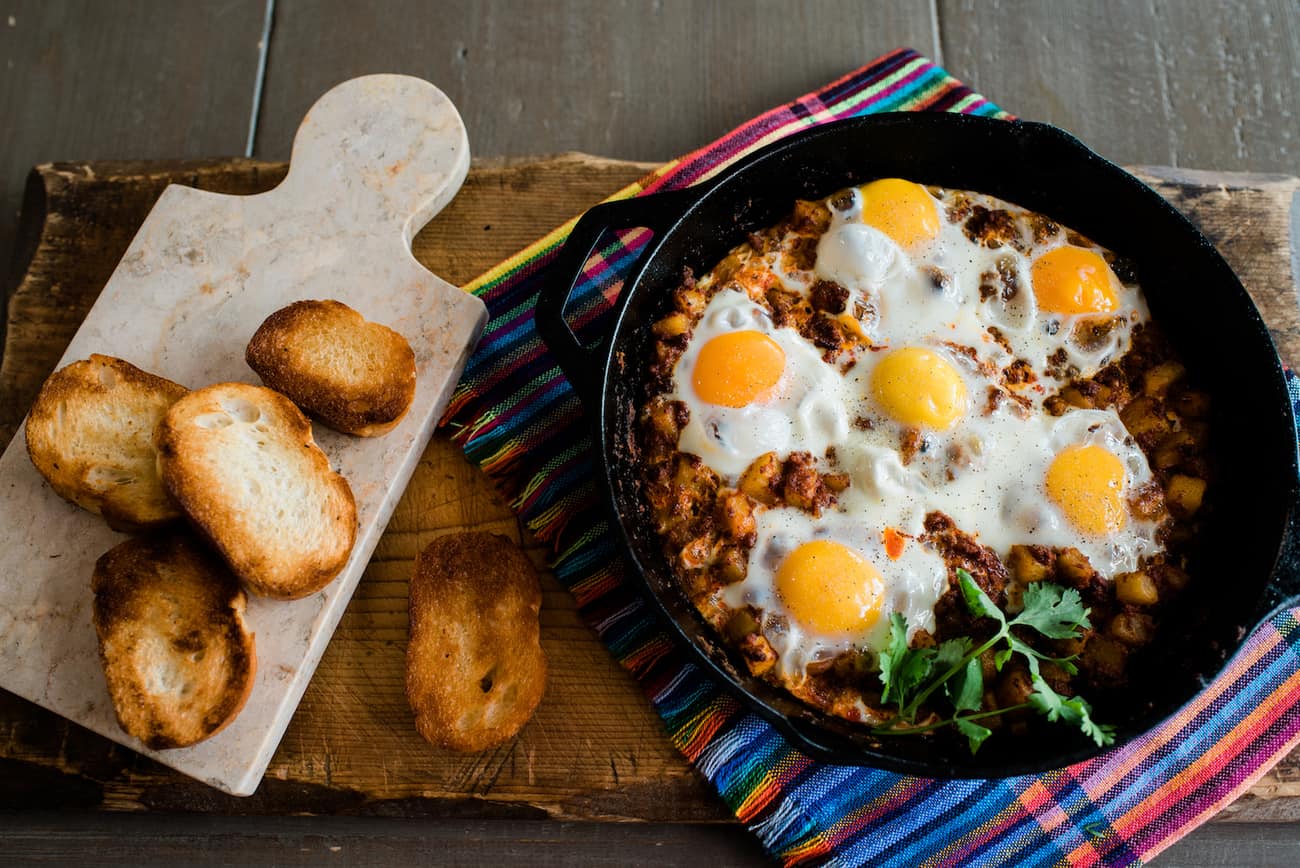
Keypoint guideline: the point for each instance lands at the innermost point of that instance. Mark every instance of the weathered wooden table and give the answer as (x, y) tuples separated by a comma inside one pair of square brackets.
[(1209, 86)]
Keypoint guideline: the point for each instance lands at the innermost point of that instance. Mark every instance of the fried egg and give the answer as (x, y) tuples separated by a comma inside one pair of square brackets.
[(753, 388), (830, 584)]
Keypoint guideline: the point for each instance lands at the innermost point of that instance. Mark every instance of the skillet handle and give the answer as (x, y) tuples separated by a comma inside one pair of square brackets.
[(582, 364)]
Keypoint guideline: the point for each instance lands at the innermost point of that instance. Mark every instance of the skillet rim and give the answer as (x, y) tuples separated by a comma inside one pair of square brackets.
[(600, 412)]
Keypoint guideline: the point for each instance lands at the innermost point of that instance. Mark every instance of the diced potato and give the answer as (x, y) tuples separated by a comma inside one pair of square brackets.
[(1132, 629), (762, 478), (1172, 450), (737, 515), (1136, 588), (732, 565), (1105, 658), (693, 476), (663, 419), (1015, 598), (836, 482), (1193, 404), (666, 354), (672, 325), (1144, 419), (1156, 382), (922, 639), (1055, 676), (1176, 578), (1147, 501), (698, 552), (1024, 567), (801, 485), (691, 301), (988, 666), (1076, 398), (1014, 687), (1074, 566), (1184, 494), (742, 624), (758, 653)]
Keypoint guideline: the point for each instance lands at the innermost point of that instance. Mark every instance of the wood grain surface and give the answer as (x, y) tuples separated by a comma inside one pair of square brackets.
[(139, 80), (595, 750), (639, 79), (1199, 84)]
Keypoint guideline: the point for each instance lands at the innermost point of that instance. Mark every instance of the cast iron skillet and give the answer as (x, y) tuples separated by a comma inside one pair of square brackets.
[(1251, 565)]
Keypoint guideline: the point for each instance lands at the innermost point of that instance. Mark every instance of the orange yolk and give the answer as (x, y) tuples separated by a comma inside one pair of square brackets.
[(1087, 483), (902, 210), (918, 387), (738, 368), (830, 588), (1071, 280)]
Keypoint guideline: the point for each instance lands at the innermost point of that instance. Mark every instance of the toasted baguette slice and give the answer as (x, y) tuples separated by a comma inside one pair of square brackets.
[(241, 462), (475, 669), (177, 655), (356, 376), (90, 434)]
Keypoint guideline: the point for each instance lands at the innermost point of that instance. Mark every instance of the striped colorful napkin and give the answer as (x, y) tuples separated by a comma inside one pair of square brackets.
[(517, 417)]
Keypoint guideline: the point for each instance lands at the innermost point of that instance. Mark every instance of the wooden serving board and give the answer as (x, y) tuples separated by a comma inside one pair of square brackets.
[(373, 160), (596, 749)]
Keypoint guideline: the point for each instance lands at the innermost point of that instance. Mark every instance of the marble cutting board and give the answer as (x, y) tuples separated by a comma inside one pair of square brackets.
[(373, 161)]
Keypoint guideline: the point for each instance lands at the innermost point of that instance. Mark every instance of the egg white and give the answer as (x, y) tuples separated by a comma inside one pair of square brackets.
[(913, 584), (807, 411)]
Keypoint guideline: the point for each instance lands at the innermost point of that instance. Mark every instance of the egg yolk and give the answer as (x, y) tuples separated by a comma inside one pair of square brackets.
[(737, 368), (830, 588), (918, 387), (902, 210), (1071, 280), (1087, 483)]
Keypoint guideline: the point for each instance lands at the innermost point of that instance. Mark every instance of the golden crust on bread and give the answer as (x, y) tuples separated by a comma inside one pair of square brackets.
[(178, 658), (241, 462), (90, 434), (475, 669), (356, 376)]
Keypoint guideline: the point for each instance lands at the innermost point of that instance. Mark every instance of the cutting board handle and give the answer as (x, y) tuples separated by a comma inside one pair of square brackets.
[(391, 149)]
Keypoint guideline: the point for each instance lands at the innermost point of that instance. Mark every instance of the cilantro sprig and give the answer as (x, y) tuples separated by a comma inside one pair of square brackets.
[(912, 676)]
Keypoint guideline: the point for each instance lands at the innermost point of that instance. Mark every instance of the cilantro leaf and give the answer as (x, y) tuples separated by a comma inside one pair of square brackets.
[(966, 688), (902, 669), (954, 669), (977, 601), (974, 733), (1000, 658), (892, 656), (1032, 655), (951, 652), (1074, 710), (1056, 612)]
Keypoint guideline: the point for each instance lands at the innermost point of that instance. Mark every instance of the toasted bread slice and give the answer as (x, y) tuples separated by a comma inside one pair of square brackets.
[(177, 655), (241, 462), (356, 376), (90, 434), (475, 669)]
